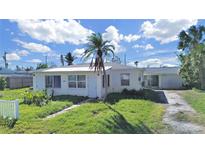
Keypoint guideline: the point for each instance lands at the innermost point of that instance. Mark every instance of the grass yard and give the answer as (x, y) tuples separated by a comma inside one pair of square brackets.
[(196, 98), (8, 94), (124, 116)]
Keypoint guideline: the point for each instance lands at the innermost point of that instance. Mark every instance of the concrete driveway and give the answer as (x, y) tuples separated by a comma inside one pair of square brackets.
[(175, 106)]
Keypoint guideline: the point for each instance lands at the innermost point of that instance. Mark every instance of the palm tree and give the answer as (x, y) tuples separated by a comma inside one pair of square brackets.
[(69, 58), (62, 60), (191, 41), (98, 49), (194, 36), (5, 59)]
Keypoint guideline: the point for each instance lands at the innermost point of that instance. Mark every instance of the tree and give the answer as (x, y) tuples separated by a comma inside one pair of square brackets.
[(29, 68), (62, 60), (98, 49), (18, 68), (136, 63), (191, 42), (2, 83), (69, 58), (41, 66), (5, 60), (188, 72)]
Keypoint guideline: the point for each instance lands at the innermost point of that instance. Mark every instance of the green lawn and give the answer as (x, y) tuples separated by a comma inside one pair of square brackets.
[(124, 116), (196, 98), (8, 94)]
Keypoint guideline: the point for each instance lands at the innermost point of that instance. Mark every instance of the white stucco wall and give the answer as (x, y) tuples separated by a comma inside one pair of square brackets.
[(38, 81), (39, 84), (115, 80), (170, 81), (93, 83)]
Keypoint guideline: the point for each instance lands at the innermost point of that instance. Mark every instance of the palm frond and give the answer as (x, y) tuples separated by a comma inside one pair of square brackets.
[(98, 49)]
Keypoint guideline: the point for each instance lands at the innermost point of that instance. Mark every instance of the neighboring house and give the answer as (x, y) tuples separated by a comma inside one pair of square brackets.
[(17, 79), (162, 78), (81, 80)]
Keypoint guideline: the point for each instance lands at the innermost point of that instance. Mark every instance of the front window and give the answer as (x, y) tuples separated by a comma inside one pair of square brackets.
[(125, 79), (72, 81), (49, 81), (53, 81), (155, 80), (139, 79), (108, 81), (81, 80), (77, 81)]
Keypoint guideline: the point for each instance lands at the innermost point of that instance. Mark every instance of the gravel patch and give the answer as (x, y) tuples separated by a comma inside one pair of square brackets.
[(175, 105)]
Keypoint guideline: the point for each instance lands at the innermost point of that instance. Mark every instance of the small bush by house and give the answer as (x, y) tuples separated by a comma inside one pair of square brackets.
[(38, 98), (2, 83), (133, 94), (7, 122)]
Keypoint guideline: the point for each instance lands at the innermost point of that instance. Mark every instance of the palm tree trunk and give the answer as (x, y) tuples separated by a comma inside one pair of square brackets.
[(105, 82), (202, 73)]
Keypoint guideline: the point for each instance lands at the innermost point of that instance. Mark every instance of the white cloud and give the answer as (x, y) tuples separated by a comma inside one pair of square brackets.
[(131, 38), (34, 47), (112, 34), (169, 65), (149, 47), (34, 61), (165, 30), (145, 47), (57, 31), (157, 62), (23, 53), (78, 52), (12, 57), (114, 37), (153, 62)]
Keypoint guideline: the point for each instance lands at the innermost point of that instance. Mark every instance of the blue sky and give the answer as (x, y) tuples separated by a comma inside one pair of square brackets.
[(151, 42)]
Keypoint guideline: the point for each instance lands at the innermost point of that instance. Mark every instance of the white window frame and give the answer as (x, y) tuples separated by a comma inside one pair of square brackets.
[(77, 81), (52, 81), (73, 81), (108, 81), (121, 76), (81, 81)]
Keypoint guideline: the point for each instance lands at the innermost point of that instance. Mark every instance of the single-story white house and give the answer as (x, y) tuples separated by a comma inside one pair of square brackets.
[(81, 80), (162, 78)]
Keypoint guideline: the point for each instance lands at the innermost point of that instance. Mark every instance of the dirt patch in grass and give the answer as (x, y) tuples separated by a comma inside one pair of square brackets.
[(183, 116)]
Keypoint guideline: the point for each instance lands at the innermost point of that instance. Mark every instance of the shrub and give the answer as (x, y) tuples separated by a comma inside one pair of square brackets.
[(146, 94), (138, 94), (7, 122), (38, 98), (152, 95), (2, 83)]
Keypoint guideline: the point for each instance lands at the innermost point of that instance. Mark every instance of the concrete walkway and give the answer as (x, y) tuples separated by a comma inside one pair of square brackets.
[(178, 105), (67, 109), (62, 111)]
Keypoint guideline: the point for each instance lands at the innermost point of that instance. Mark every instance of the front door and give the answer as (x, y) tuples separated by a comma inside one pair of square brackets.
[(155, 81), (92, 86)]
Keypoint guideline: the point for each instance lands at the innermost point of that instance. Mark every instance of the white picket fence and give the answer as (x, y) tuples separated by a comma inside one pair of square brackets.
[(9, 108)]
